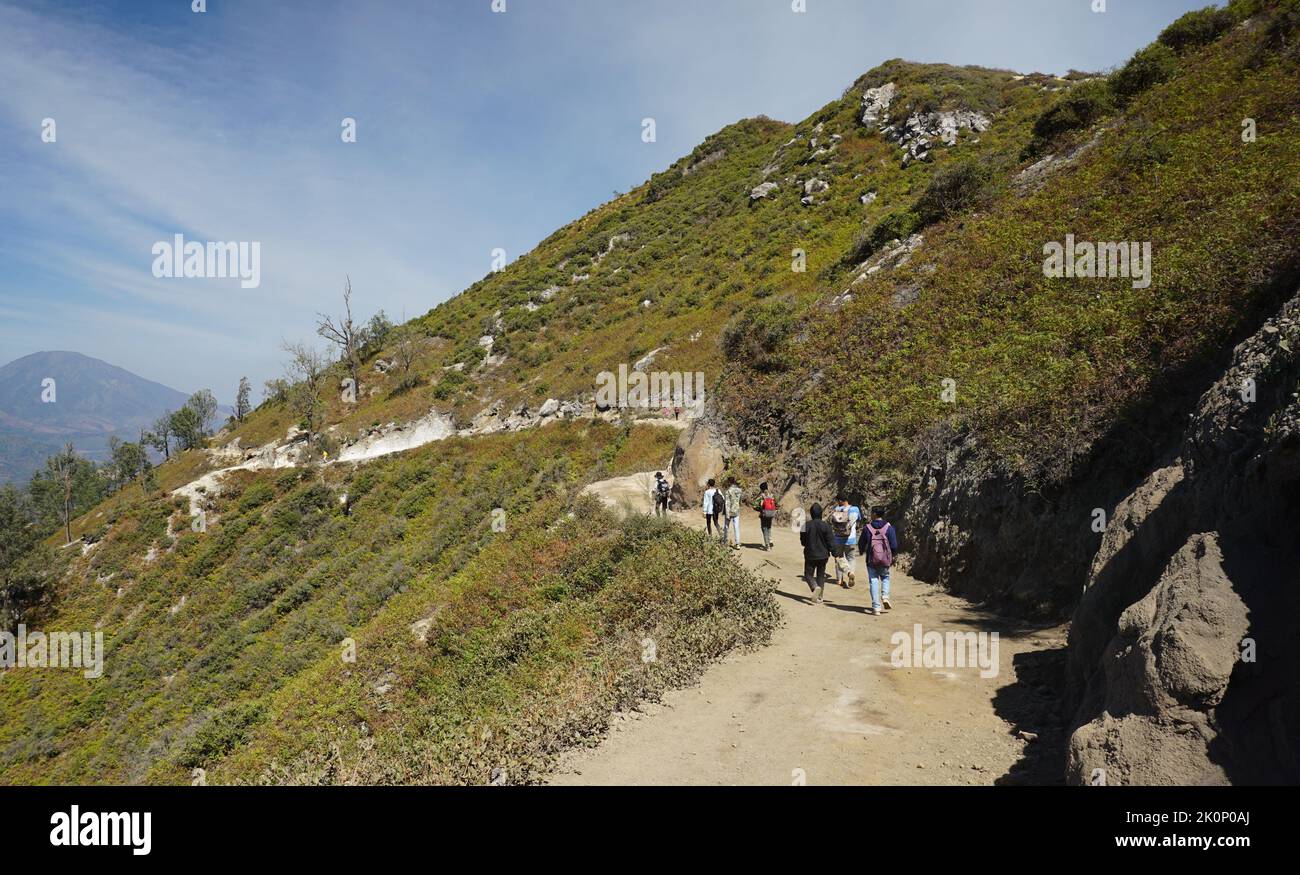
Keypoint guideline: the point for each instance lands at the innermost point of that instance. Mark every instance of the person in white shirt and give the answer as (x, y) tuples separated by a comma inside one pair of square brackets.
[(713, 516)]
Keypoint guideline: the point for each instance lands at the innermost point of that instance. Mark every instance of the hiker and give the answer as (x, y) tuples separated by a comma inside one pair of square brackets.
[(767, 508), (733, 498), (879, 547), (661, 494), (817, 540), (844, 522), (713, 506)]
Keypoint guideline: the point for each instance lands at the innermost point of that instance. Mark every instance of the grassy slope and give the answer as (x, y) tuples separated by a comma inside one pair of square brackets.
[(1041, 366), (281, 576), (1044, 366), (696, 248)]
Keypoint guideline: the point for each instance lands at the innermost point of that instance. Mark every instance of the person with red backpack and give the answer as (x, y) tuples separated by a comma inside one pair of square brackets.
[(767, 507), (879, 542)]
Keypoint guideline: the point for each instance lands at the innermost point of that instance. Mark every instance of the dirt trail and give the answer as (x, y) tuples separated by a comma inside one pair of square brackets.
[(825, 699)]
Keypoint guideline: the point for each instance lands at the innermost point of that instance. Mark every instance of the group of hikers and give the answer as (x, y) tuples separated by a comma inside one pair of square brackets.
[(842, 537)]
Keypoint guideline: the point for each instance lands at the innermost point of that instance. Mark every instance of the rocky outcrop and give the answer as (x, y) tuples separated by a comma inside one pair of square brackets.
[(875, 103), (648, 359), (395, 438), (894, 254), (1185, 636), (761, 191), (495, 418), (699, 455), (1035, 176), (811, 189), (917, 135), (1186, 643)]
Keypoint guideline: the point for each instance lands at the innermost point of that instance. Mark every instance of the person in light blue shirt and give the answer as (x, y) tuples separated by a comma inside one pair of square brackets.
[(845, 521)]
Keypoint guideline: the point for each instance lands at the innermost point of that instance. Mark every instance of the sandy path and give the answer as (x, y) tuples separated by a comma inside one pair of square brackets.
[(824, 698)]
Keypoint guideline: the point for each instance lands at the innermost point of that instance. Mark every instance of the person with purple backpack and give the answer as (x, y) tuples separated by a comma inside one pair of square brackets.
[(879, 543)]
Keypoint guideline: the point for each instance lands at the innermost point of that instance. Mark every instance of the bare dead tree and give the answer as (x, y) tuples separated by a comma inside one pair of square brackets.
[(65, 468), (344, 334), (306, 372)]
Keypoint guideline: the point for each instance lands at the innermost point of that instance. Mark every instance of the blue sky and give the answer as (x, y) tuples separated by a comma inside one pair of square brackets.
[(475, 130)]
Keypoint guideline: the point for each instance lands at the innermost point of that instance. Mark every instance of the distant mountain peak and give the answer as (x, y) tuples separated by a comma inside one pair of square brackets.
[(51, 397)]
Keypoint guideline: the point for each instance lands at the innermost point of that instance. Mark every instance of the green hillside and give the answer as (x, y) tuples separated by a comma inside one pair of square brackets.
[(827, 313)]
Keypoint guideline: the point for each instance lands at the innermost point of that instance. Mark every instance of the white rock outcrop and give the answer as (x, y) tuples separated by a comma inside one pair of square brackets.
[(875, 103)]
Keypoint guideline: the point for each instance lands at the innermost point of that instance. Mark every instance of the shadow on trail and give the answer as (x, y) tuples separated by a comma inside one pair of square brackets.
[(1032, 704)]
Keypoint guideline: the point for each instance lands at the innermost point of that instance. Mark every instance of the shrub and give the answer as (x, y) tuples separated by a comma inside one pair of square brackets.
[(256, 495), (954, 189), (226, 730), (1079, 108), (450, 384), (895, 226), (757, 337), (1197, 28), (1147, 69)]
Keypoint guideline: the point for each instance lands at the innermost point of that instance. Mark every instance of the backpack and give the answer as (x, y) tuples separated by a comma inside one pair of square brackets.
[(880, 555), (840, 522), (768, 508), (719, 503)]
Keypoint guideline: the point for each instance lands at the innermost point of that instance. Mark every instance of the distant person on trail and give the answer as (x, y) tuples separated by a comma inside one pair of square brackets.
[(879, 546), (817, 539), (844, 521), (733, 499), (713, 506), (767, 507), (661, 494)]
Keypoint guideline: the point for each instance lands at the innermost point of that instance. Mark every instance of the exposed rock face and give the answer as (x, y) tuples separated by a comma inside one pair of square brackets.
[(1035, 176), (434, 426), (811, 189), (893, 254), (699, 456), (648, 359), (759, 192), (1201, 557), (1202, 495), (875, 103), (708, 159), (917, 135)]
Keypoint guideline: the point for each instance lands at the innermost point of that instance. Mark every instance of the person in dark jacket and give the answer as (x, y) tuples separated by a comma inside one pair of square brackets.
[(817, 539)]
